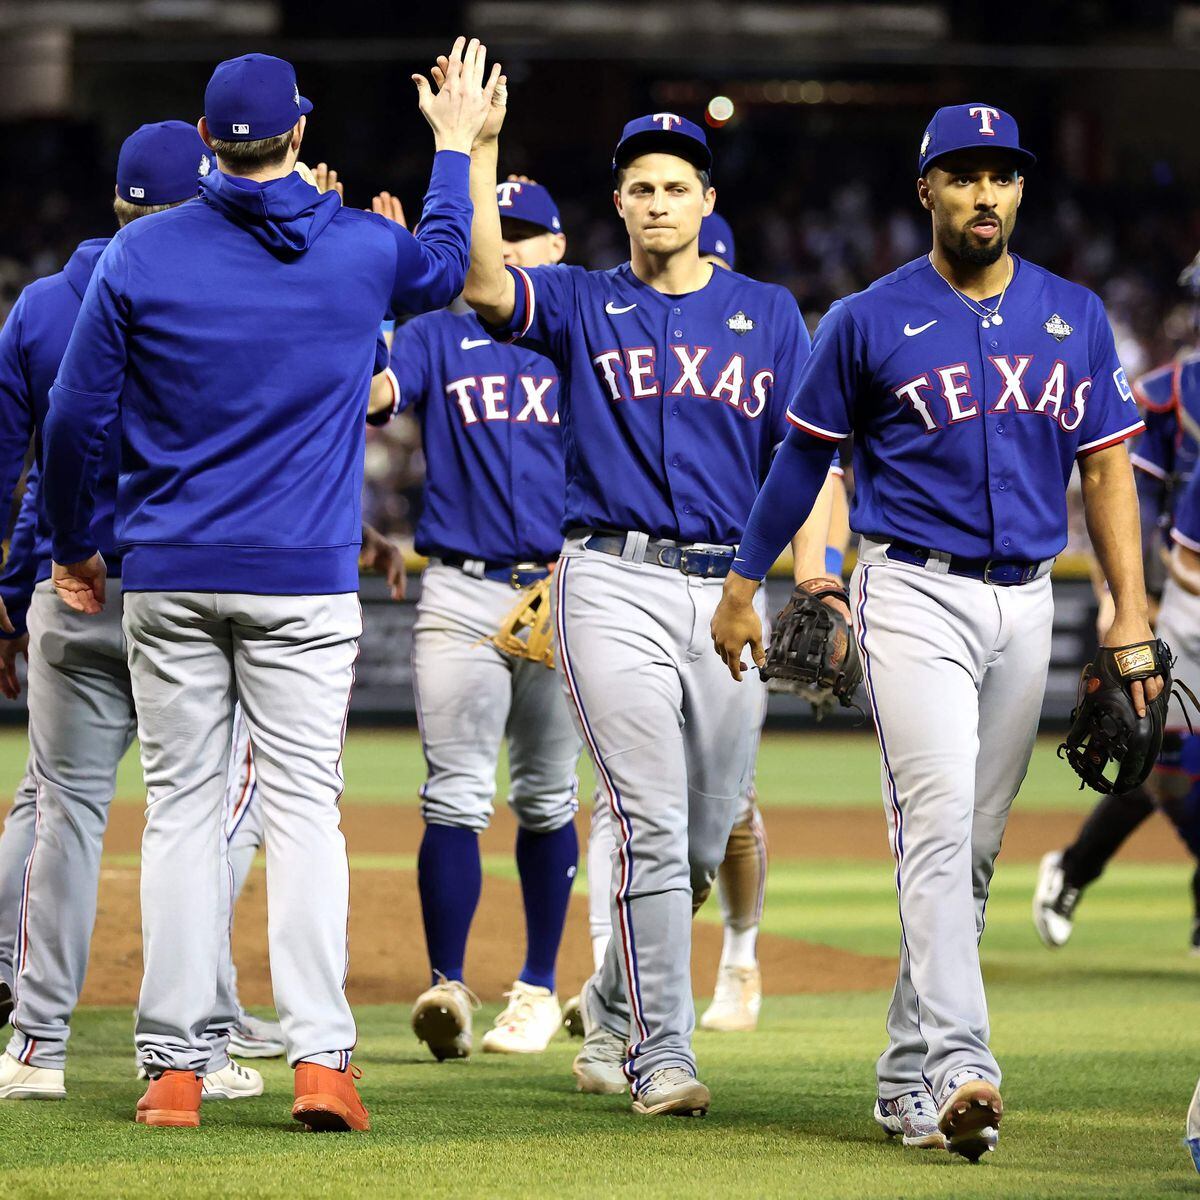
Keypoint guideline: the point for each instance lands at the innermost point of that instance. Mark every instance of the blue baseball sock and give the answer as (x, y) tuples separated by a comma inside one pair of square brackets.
[(546, 863), (449, 876)]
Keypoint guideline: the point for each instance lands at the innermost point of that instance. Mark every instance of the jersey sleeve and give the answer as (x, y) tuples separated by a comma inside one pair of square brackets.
[(16, 402), (410, 364), (1186, 530), (792, 349), (1111, 414), (19, 576), (1154, 450), (824, 400), (544, 309)]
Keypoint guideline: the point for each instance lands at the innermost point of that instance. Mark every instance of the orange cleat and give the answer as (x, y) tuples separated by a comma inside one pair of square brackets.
[(173, 1099), (327, 1100)]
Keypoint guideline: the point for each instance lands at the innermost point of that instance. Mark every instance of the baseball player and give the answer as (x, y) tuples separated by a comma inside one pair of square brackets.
[(973, 382), (490, 526), (239, 522), (673, 380), (742, 875), (1165, 457), (81, 713)]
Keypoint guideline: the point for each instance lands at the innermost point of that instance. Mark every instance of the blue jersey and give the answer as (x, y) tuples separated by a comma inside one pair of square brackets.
[(493, 445), (1170, 400), (964, 437), (671, 405), (1187, 515)]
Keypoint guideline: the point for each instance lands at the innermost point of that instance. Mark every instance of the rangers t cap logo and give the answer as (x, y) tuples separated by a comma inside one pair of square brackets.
[(970, 127), (664, 133)]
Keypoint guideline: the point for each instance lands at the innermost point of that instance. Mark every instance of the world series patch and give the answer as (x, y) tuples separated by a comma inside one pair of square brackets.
[(740, 323), (1057, 328)]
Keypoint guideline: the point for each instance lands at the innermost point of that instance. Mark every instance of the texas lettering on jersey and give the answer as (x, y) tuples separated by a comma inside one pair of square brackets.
[(488, 398), (636, 374)]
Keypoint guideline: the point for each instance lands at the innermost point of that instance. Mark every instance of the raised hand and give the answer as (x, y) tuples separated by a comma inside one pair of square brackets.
[(464, 100), (325, 179), (387, 205)]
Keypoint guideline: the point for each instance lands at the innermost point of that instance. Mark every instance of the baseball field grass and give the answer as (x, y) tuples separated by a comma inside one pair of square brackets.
[(1098, 1042)]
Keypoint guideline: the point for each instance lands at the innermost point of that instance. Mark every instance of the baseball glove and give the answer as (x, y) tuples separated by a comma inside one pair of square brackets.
[(1105, 727), (527, 630), (812, 651)]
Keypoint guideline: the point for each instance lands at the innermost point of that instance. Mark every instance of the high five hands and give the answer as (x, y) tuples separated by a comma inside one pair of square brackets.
[(465, 100)]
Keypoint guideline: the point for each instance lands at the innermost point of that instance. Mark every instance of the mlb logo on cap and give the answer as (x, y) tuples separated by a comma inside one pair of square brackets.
[(971, 127), (253, 97)]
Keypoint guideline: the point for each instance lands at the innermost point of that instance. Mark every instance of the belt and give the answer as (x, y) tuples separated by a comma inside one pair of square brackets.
[(1001, 572), (692, 558), (516, 575)]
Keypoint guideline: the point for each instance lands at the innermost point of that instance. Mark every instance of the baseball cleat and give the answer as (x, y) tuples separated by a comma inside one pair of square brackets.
[(1193, 945), (736, 1001), (19, 1082), (572, 1018), (327, 1100), (970, 1119), (6, 1004), (599, 1067), (1192, 1134), (171, 1100), (441, 1018), (232, 1082), (527, 1023), (672, 1092), (252, 1037), (912, 1117), (1054, 903)]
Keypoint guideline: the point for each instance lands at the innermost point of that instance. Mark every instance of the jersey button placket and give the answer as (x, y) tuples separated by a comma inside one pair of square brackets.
[(999, 448)]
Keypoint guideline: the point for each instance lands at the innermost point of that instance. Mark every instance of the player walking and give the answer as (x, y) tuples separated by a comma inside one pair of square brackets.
[(490, 525), (973, 381), (1165, 458), (673, 382), (239, 518)]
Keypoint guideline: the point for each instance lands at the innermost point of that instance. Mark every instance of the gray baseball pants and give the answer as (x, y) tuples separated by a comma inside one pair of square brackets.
[(955, 670), (16, 840), (470, 696), (673, 739), (290, 661)]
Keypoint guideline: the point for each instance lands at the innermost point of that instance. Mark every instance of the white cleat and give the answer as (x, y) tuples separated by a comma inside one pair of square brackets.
[(1054, 903), (19, 1082), (252, 1037), (913, 1118), (441, 1018), (736, 1001), (672, 1092), (1192, 1134), (970, 1116), (232, 1082), (530, 1019)]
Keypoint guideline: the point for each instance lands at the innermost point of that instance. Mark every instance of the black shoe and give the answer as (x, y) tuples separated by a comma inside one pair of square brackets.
[(6, 1002), (1195, 941)]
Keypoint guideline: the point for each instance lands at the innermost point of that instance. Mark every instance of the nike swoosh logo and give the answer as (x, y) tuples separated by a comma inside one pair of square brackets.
[(468, 344), (614, 311), (909, 331)]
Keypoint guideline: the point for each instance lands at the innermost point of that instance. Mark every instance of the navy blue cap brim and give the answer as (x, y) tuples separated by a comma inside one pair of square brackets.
[(305, 106), (655, 141), (1024, 158)]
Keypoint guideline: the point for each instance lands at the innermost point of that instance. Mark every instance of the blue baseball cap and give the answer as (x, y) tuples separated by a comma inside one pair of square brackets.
[(663, 133), (716, 237), (161, 163), (968, 127), (253, 97), (528, 202)]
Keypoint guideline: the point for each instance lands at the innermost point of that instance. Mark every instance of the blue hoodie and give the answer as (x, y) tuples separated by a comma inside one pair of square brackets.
[(234, 338), (32, 344)]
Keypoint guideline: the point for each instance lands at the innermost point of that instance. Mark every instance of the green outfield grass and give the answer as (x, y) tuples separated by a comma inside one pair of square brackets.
[(1098, 1043)]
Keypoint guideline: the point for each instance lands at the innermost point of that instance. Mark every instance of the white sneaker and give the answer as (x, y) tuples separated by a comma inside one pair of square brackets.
[(232, 1082), (19, 1082), (1054, 903), (736, 1001), (1192, 1130), (913, 1117), (672, 1092), (531, 1018), (252, 1037), (441, 1018), (599, 1067)]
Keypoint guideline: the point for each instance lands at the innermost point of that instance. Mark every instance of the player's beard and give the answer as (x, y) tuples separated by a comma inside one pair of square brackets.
[(980, 256)]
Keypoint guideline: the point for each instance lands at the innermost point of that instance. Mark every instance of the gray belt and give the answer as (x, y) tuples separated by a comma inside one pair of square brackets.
[(692, 558)]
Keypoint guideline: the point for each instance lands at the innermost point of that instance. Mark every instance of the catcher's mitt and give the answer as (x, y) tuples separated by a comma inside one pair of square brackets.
[(527, 630), (812, 651), (1105, 727)]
